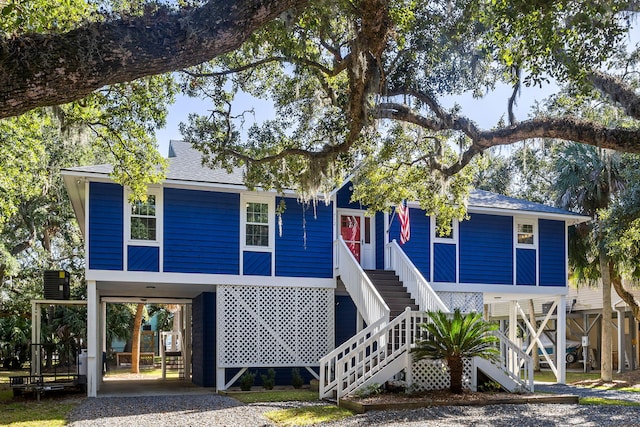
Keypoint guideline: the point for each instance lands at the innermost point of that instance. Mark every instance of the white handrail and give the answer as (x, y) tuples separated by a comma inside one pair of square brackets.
[(356, 361), (328, 363), (412, 279), (364, 295), (515, 362)]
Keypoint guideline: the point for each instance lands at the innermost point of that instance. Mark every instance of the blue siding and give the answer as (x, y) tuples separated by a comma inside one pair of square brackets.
[(256, 263), (305, 247), (486, 249), (346, 318), (201, 232), (525, 267), (379, 240), (417, 248), (143, 258), (203, 317), (343, 198), (106, 229), (552, 253), (444, 263)]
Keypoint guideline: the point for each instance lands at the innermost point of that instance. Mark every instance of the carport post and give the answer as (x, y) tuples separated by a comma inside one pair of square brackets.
[(93, 344), (561, 339)]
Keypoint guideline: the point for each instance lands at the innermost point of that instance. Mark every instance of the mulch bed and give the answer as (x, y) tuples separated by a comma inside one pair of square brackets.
[(391, 401)]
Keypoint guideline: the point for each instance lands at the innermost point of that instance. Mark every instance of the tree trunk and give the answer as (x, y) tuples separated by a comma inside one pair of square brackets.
[(606, 365), (534, 351), (135, 344), (626, 296), (455, 371)]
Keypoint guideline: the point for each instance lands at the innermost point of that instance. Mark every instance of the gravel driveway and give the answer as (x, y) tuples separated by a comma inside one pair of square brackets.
[(215, 410)]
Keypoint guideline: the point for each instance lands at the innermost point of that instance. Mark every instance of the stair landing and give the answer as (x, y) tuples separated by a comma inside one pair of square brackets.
[(392, 291)]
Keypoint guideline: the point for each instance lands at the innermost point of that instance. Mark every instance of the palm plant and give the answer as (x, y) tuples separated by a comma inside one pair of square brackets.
[(454, 337)]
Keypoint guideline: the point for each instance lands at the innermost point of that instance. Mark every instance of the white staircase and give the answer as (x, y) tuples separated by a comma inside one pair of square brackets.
[(380, 351)]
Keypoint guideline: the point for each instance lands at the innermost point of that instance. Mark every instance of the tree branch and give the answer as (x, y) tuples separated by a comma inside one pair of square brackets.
[(618, 91), (48, 69)]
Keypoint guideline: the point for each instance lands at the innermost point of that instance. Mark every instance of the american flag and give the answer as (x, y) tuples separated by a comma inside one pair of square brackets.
[(403, 215)]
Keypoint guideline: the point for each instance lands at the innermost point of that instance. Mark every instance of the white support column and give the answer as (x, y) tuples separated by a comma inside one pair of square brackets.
[(93, 344), (359, 322), (513, 331), (36, 320), (513, 321), (561, 339), (621, 340), (186, 357)]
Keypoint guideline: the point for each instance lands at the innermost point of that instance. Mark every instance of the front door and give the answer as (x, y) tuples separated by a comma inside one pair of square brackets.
[(357, 232)]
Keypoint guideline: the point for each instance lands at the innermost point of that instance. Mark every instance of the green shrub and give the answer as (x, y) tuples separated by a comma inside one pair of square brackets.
[(246, 381), (296, 379), (269, 380)]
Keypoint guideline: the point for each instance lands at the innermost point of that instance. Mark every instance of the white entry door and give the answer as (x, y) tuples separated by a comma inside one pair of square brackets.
[(358, 232)]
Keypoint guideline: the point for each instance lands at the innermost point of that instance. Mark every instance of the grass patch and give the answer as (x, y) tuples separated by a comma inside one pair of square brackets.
[(308, 415), (276, 396), (31, 414), (4, 375), (145, 371), (547, 376), (603, 401)]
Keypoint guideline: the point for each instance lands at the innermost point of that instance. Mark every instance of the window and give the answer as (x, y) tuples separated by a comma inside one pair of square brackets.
[(441, 232), (525, 234), (144, 219), (257, 224)]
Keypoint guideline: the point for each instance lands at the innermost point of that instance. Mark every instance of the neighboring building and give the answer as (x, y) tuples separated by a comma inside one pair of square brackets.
[(271, 288)]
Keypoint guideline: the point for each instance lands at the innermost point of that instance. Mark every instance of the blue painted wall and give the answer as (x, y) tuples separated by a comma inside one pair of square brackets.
[(379, 217), (418, 246), (343, 197), (305, 248), (257, 263), (444, 263), (346, 318), (525, 266), (106, 226), (201, 232), (143, 258), (283, 376), (551, 243), (203, 316), (486, 249)]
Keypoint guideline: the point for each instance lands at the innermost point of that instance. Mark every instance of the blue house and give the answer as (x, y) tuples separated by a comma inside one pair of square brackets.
[(304, 286)]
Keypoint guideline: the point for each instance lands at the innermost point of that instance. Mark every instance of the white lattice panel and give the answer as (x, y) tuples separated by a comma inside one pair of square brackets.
[(465, 301), (434, 375), (273, 326)]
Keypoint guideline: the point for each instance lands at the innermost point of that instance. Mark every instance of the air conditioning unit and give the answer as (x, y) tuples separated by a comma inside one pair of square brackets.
[(56, 284)]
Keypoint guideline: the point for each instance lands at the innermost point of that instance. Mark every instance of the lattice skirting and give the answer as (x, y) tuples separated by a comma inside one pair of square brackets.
[(465, 301), (434, 375), (273, 326)]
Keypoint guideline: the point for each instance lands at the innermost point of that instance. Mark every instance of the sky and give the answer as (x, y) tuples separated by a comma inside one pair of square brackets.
[(486, 112)]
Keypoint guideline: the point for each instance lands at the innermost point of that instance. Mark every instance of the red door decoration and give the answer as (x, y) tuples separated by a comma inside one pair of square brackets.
[(350, 232)]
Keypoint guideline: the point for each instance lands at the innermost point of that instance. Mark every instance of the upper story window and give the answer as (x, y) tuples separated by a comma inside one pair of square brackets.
[(258, 222), (257, 225), (526, 233), (445, 233), (144, 218)]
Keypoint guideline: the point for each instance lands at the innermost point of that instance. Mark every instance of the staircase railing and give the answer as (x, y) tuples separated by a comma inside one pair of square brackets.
[(515, 362), (364, 295), (359, 359), (412, 279)]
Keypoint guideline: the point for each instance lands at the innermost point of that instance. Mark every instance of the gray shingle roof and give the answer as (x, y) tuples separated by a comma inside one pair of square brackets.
[(185, 164), (486, 199)]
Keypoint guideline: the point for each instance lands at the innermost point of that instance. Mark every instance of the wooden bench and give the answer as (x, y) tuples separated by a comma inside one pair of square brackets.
[(146, 357)]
